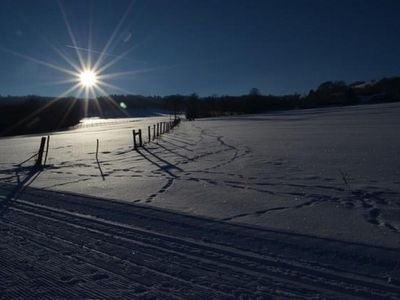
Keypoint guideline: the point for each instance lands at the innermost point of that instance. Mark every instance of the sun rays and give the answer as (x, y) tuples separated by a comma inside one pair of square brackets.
[(86, 71)]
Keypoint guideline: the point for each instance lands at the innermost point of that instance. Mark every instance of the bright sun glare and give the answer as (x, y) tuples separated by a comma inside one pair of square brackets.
[(88, 78), (87, 75)]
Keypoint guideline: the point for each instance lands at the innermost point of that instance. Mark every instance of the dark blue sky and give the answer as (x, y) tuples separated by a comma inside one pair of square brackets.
[(207, 47)]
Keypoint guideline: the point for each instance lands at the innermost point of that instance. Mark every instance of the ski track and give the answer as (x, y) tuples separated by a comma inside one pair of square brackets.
[(70, 250)]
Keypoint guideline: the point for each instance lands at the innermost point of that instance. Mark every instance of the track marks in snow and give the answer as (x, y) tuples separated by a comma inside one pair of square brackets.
[(163, 189), (274, 209), (192, 153), (86, 247)]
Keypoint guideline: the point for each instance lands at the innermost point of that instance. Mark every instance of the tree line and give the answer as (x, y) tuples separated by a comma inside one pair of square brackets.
[(31, 114)]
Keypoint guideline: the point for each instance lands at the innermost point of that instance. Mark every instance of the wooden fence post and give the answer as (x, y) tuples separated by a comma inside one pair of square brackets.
[(158, 129), (140, 138), (47, 150), (97, 149), (134, 139), (40, 153), (149, 132), (154, 132)]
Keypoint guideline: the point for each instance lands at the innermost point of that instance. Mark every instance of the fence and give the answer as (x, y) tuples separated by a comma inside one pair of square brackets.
[(159, 129), (43, 150)]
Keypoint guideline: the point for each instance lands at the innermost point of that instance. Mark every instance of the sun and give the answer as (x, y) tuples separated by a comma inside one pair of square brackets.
[(88, 78)]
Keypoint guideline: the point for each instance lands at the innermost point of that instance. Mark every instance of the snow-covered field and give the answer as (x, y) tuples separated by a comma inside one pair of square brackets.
[(290, 204)]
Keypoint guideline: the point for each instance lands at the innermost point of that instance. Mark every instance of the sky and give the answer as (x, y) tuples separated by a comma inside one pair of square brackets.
[(209, 47)]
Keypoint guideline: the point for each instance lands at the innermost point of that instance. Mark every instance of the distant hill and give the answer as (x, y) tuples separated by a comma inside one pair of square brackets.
[(328, 93)]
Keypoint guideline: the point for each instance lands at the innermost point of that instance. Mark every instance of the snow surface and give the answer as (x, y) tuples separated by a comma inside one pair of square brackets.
[(299, 205), (332, 172)]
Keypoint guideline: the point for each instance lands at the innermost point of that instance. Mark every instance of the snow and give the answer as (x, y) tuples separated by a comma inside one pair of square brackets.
[(299, 204), (324, 172)]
